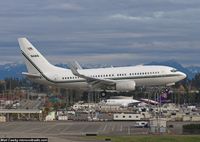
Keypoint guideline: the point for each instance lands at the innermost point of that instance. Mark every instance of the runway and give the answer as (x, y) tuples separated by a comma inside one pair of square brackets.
[(67, 131), (75, 131)]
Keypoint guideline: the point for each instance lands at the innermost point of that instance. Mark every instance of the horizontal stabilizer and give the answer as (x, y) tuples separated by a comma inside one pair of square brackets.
[(31, 75)]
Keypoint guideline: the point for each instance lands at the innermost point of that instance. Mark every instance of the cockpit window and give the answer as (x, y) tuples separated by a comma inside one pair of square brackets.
[(174, 70)]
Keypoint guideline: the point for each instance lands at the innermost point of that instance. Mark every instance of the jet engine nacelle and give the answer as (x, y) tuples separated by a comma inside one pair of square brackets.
[(125, 85)]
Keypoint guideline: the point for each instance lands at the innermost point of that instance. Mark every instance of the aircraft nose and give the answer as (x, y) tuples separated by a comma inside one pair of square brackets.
[(183, 75)]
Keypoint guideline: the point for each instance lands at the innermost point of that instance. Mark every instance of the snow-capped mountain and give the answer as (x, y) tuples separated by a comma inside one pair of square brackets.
[(15, 69), (172, 63), (12, 70), (194, 69)]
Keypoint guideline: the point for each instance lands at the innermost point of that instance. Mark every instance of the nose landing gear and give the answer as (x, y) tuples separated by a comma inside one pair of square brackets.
[(103, 94)]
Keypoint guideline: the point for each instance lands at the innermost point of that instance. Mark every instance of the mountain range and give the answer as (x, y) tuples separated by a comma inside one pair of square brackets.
[(15, 69)]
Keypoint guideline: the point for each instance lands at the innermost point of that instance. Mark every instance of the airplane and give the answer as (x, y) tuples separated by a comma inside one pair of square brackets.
[(121, 102), (121, 79), (148, 101)]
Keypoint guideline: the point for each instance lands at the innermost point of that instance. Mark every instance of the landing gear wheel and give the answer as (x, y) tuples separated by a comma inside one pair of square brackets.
[(103, 94)]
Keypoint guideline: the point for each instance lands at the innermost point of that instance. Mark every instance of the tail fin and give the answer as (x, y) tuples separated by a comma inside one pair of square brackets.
[(34, 60)]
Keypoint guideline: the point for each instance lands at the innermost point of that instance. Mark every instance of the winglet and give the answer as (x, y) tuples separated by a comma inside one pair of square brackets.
[(74, 66), (77, 65)]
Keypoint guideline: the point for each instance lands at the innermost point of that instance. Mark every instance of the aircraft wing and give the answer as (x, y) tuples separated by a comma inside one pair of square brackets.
[(100, 83), (95, 82)]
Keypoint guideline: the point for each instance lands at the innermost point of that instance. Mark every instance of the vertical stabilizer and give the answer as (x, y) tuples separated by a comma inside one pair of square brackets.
[(35, 62)]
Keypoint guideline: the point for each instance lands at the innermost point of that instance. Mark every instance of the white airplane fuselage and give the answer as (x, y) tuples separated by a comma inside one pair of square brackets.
[(142, 75), (121, 102), (113, 78)]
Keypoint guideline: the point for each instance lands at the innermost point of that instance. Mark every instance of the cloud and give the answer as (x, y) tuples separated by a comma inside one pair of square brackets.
[(119, 58), (127, 17), (64, 6), (158, 14), (152, 16), (95, 31), (10, 59)]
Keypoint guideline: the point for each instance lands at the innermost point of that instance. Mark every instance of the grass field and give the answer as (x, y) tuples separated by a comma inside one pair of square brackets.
[(154, 138)]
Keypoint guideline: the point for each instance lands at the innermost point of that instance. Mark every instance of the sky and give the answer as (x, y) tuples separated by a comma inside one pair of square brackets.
[(114, 32)]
